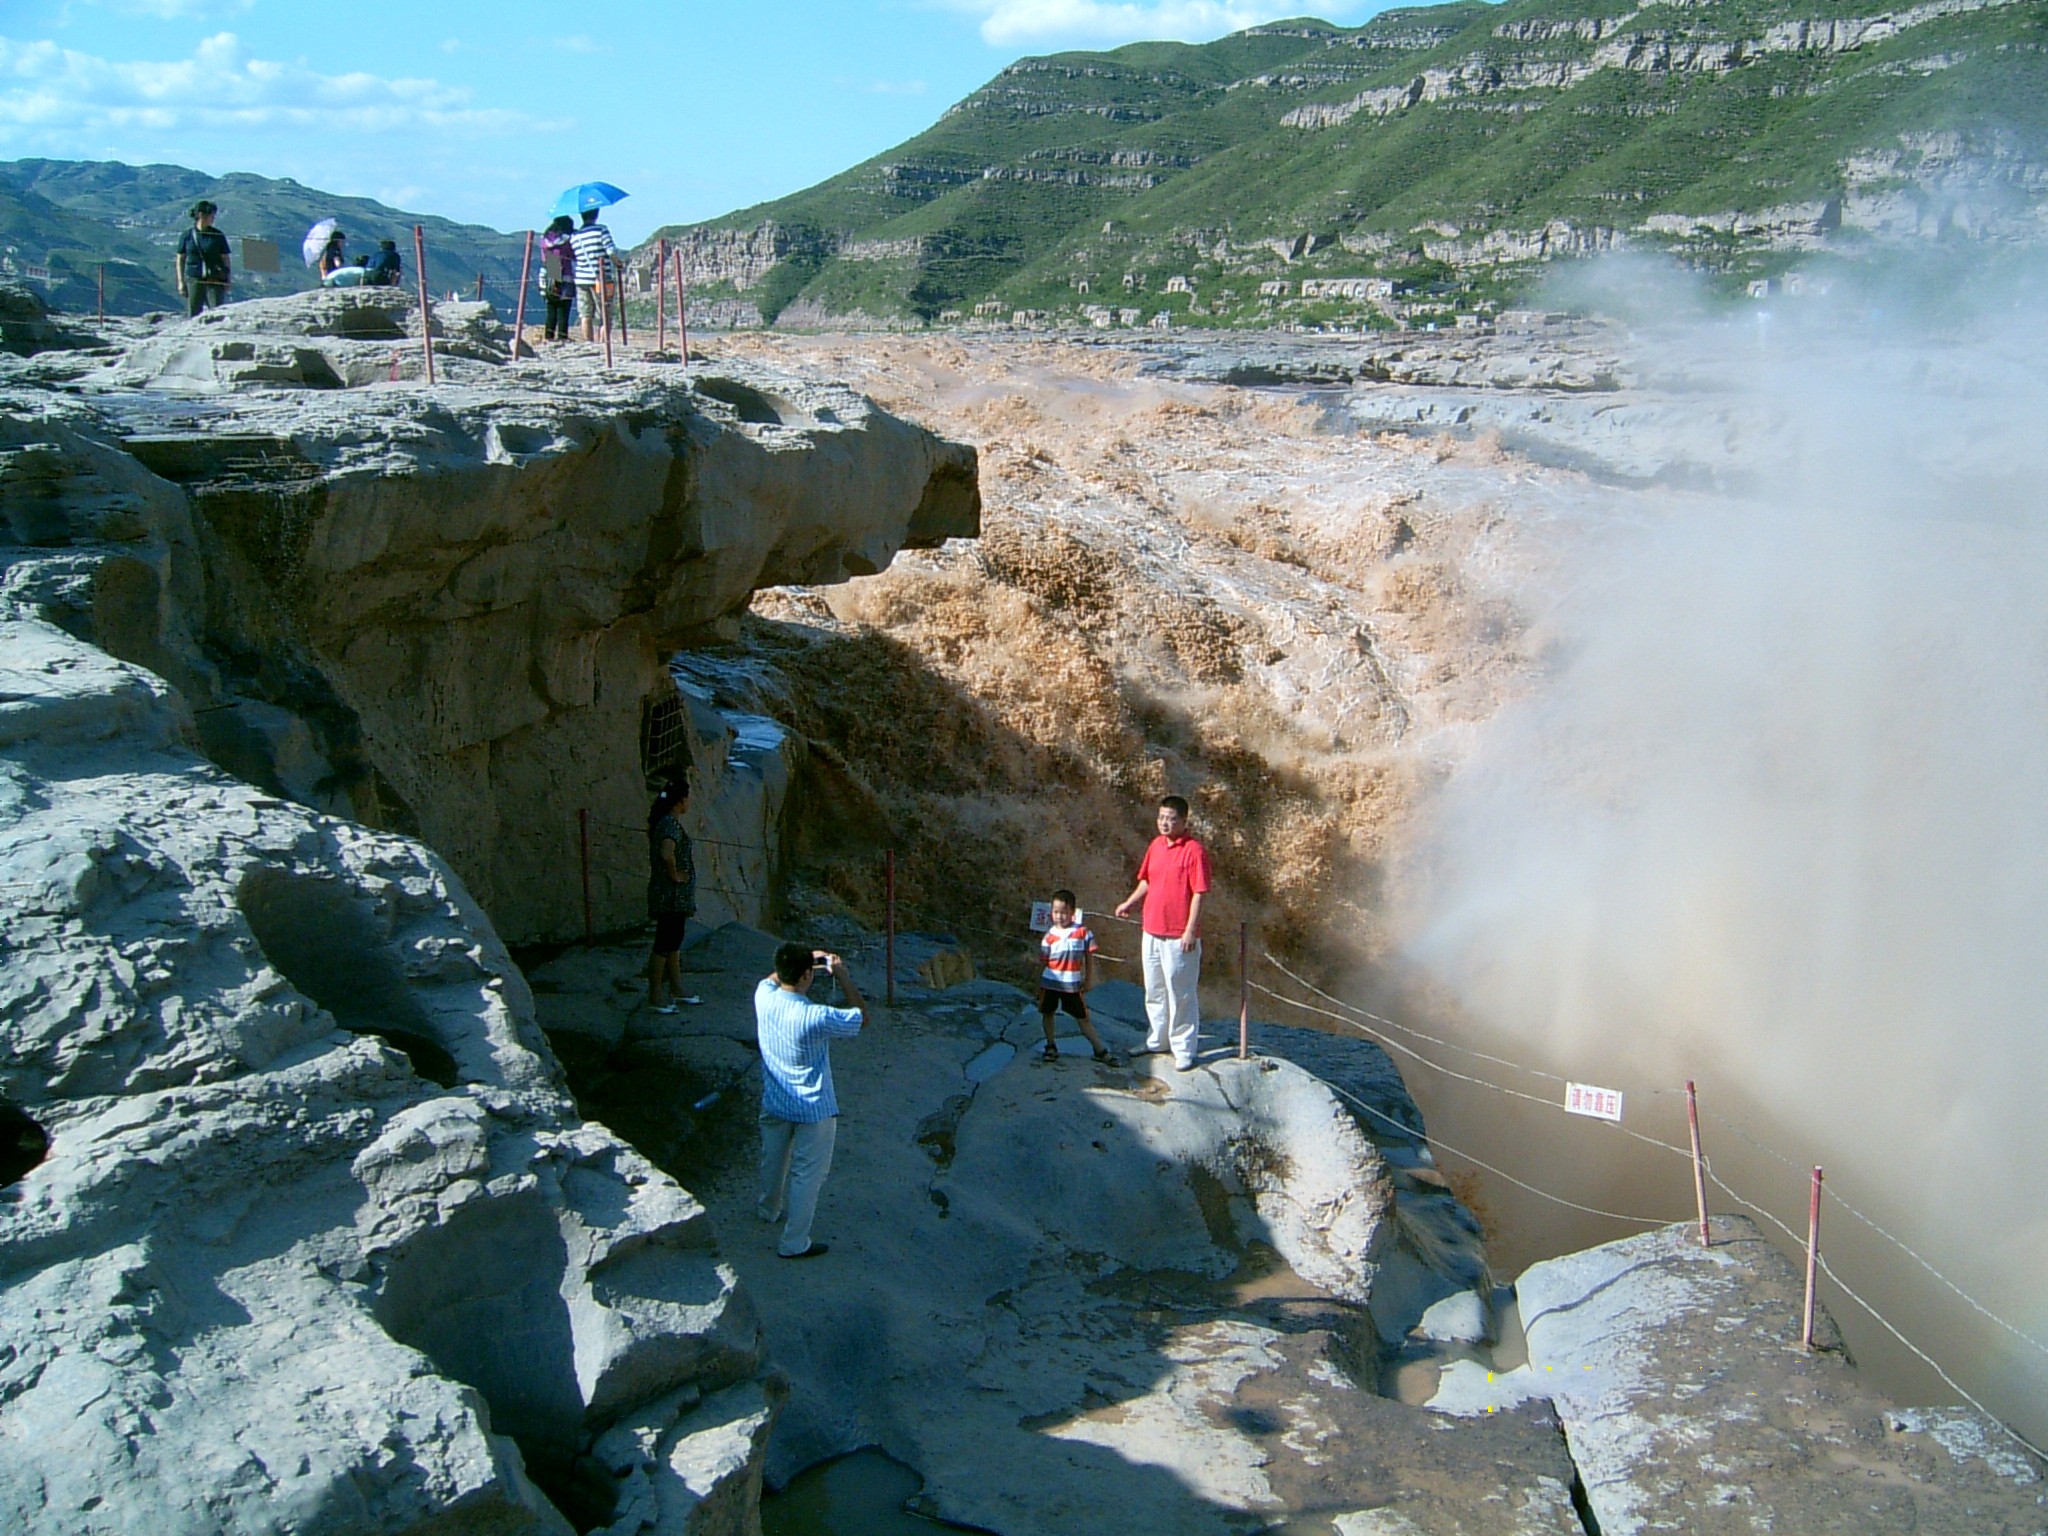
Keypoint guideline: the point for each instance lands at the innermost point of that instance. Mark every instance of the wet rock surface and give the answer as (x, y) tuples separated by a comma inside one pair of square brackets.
[(1076, 1296)]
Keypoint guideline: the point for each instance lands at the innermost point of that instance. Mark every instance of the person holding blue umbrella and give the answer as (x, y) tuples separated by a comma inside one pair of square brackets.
[(592, 243)]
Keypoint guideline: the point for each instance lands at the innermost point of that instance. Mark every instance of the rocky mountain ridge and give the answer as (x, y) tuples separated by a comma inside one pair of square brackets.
[(1447, 151), (59, 219)]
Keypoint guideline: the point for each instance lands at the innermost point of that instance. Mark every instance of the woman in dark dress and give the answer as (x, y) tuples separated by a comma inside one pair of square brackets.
[(671, 893)]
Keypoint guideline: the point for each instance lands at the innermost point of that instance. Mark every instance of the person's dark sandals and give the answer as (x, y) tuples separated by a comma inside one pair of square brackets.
[(1051, 1053), (815, 1251), (1108, 1058)]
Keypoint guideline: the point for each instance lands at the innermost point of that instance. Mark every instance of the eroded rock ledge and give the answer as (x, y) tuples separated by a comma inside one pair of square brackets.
[(446, 612), (300, 1228)]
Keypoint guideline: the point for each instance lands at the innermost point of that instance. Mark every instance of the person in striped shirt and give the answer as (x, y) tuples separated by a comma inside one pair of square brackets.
[(594, 252), (1068, 951)]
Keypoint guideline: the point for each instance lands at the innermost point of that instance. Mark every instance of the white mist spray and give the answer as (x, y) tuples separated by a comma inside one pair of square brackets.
[(1776, 816)]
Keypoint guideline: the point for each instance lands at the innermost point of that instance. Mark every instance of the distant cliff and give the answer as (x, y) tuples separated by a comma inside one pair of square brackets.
[(1447, 151)]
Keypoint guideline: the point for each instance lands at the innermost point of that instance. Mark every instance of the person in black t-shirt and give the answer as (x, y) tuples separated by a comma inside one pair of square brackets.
[(204, 271)]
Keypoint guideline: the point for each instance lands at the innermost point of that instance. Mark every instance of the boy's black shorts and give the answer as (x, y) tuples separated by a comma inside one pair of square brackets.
[(1070, 1003)]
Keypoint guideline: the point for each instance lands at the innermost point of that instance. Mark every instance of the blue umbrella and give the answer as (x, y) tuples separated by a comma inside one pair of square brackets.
[(592, 194)]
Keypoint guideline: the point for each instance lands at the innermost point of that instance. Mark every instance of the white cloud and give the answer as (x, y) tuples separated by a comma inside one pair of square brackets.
[(55, 94), (581, 42), (891, 87), (1008, 23)]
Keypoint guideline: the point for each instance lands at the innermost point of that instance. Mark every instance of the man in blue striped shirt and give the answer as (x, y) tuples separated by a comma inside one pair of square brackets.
[(799, 1111), (595, 256)]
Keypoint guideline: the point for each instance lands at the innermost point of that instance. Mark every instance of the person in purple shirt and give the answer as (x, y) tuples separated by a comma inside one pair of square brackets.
[(799, 1110)]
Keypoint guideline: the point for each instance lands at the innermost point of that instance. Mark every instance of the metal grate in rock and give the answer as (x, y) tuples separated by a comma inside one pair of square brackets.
[(664, 744)]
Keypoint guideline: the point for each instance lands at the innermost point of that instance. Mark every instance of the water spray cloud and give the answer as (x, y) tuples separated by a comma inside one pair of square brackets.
[(1774, 813)]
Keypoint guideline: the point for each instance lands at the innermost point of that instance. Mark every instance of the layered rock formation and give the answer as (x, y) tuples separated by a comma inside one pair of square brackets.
[(300, 1228), (451, 615), (319, 1241)]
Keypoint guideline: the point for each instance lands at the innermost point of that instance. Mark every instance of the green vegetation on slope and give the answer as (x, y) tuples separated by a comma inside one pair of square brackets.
[(1488, 137)]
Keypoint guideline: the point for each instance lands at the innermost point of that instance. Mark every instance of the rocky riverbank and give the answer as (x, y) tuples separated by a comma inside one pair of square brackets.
[(301, 1228), (1077, 1297), (320, 1213)]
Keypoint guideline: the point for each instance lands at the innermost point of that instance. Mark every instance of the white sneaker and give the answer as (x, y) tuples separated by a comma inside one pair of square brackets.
[(662, 1008)]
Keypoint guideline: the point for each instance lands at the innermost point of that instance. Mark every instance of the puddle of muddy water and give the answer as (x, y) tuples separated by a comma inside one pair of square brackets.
[(864, 1494)]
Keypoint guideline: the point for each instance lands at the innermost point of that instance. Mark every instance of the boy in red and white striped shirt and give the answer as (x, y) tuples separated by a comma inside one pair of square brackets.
[(1068, 950)]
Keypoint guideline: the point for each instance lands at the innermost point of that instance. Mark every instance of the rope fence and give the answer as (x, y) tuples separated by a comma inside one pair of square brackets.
[(1817, 1260), (1395, 1036)]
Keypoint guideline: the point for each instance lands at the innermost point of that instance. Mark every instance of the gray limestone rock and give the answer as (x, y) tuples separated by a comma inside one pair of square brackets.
[(1690, 1404), (319, 1241), (451, 612), (1076, 1297), (25, 324)]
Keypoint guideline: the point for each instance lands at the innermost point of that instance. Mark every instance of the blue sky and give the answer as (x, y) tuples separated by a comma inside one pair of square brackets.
[(484, 112)]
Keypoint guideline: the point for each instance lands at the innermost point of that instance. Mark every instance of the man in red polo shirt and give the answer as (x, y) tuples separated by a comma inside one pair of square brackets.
[(1171, 882)]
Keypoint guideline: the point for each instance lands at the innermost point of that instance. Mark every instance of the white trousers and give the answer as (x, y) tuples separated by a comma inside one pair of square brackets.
[(794, 1161), (1173, 1005)]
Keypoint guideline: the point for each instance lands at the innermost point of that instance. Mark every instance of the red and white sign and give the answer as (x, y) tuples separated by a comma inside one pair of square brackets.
[(1041, 916), (1600, 1103)]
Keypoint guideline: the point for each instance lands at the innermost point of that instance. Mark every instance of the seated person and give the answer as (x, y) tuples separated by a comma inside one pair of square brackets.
[(383, 267), (334, 257)]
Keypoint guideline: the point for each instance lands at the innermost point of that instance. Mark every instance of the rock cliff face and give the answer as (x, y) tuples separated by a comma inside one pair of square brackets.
[(318, 1241), (299, 1226), (451, 615)]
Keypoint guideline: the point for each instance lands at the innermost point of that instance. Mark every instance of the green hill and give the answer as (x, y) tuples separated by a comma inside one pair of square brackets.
[(65, 217), (1438, 157)]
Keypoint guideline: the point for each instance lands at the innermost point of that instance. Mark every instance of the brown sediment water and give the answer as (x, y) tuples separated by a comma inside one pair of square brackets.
[(1761, 821)]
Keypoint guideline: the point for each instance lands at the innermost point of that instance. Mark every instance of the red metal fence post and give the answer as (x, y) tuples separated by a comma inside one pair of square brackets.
[(583, 838), (625, 330), (604, 302), (1244, 991), (525, 272), (682, 317), (661, 294), (889, 922), (1812, 1255), (419, 263), (1699, 1166)]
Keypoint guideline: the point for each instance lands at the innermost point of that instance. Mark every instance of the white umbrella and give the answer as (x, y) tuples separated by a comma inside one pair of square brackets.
[(316, 241)]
